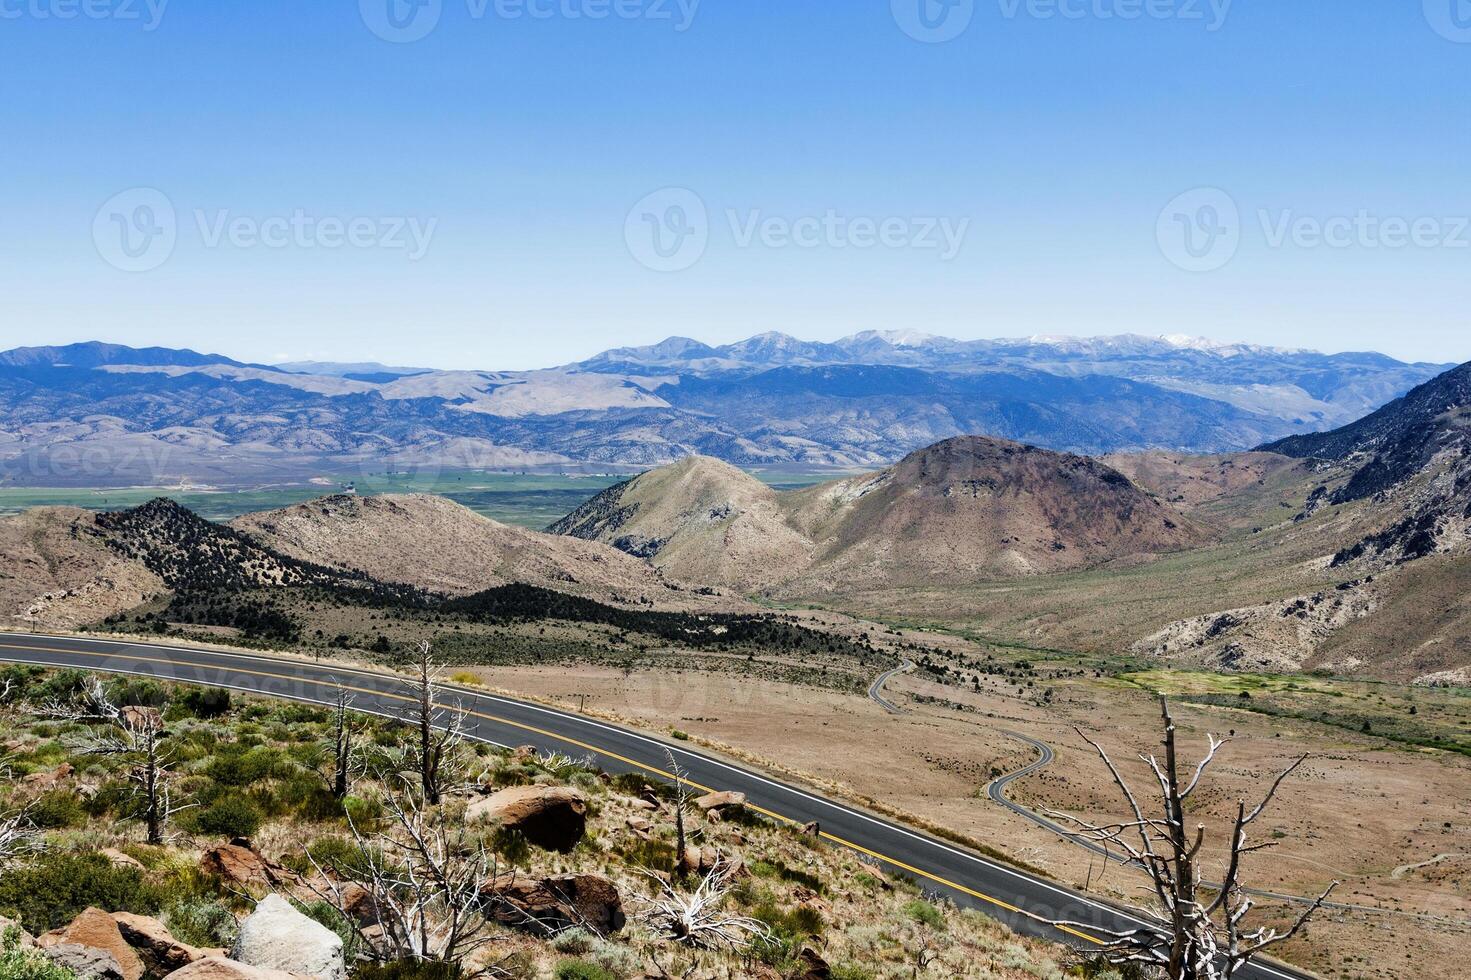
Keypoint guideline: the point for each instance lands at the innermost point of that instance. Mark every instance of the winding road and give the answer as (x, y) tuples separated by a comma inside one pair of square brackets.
[(1024, 901), (876, 689)]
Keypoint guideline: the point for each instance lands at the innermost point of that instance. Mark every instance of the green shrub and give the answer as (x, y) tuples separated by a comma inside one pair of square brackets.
[(576, 942), (144, 692), (113, 797), (363, 812), (790, 928), (328, 915), (924, 912), (654, 855), (581, 970), (50, 891), (58, 809), (511, 846), (201, 922), (848, 971), (206, 702), (228, 816), (233, 767), (407, 970), (304, 795), (17, 963)]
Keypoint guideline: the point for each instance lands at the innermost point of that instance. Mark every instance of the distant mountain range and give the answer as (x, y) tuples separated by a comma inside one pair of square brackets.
[(103, 414)]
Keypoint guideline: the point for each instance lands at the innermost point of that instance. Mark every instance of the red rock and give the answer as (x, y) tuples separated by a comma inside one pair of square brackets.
[(95, 929), (240, 863), (160, 951)]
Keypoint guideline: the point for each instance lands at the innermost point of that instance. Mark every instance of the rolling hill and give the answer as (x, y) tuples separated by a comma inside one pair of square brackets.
[(964, 509), (436, 544)]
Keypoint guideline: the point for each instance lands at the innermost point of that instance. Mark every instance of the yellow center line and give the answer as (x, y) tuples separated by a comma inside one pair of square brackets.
[(556, 736)]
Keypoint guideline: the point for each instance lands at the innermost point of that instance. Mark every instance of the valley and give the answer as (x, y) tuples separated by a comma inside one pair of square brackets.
[(1268, 593)]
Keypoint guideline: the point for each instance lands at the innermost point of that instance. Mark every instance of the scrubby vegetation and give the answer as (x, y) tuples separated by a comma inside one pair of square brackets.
[(225, 585), (251, 767)]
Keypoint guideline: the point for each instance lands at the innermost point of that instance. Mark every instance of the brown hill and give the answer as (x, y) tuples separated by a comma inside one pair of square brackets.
[(57, 571), (1190, 482), (975, 508), (436, 544), (701, 520), (962, 510)]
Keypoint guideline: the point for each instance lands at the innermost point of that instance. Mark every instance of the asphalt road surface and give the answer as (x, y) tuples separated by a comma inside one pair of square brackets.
[(1025, 902), (876, 689)]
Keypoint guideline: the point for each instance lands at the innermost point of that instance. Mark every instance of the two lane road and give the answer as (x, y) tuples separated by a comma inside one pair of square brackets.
[(1025, 902)]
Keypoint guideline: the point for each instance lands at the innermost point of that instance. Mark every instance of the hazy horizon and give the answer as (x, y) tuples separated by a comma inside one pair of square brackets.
[(347, 357)]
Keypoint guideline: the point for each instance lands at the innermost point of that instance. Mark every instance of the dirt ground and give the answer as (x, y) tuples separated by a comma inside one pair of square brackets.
[(1391, 823)]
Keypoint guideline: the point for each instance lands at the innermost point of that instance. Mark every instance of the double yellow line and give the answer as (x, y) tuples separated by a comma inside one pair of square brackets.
[(781, 818)]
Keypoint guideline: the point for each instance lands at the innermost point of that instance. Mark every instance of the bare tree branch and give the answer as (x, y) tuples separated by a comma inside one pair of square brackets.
[(1190, 939)]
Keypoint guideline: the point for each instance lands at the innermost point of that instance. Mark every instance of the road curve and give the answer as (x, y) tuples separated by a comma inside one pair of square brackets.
[(876, 689), (1024, 901)]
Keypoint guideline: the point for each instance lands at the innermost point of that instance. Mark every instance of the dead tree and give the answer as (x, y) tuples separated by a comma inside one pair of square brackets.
[(1196, 930), (133, 731), (681, 803), (425, 881), (441, 729), (696, 918), (344, 752)]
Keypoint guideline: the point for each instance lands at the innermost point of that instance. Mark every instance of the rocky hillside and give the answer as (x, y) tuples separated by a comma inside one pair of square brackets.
[(63, 568), (57, 571), (1414, 455), (531, 867), (966, 509), (436, 544)]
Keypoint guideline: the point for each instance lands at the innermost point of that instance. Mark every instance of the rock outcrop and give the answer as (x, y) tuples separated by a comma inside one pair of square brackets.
[(239, 863), (85, 962), (96, 929), (551, 817), (220, 968), (278, 937), (552, 905), (160, 952)]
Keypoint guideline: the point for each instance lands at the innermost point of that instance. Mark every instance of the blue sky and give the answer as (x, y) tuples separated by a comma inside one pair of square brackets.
[(476, 197)]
